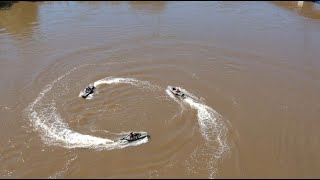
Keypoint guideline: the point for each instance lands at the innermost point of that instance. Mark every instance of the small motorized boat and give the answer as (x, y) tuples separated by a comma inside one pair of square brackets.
[(176, 91), (88, 90), (135, 136)]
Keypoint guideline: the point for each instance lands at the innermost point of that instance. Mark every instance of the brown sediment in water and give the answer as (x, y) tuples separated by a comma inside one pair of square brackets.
[(251, 68)]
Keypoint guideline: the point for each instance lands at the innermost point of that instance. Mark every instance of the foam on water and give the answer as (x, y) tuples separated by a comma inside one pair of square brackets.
[(90, 96), (4, 107), (131, 81), (63, 170), (212, 128), (134, 82), (54, 131)]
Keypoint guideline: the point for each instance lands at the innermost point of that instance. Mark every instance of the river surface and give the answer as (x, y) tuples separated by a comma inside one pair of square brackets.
[(250, 72)]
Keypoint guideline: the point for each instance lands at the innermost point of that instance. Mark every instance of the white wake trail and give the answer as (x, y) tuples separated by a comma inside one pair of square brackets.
[(54, 131), (212, 127), (134, 82)]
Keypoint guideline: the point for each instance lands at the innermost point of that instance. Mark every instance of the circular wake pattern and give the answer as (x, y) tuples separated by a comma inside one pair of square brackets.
[(212, 129), (54, 131)]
